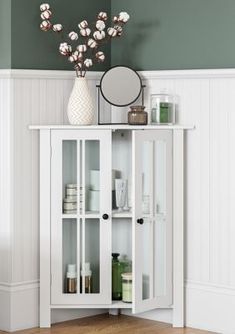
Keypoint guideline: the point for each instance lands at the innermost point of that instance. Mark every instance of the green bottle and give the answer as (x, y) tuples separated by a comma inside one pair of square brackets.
[(117, 270)]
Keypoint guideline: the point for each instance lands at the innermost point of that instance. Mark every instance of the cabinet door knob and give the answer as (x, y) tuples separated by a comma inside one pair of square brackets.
[(140, 221), (105, 216)]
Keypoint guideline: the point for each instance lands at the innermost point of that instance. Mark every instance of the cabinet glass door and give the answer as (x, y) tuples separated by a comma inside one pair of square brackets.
[(152, 219), (81, 217)]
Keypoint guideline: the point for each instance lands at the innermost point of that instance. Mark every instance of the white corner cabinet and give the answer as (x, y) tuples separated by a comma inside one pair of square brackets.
[(150, 234)]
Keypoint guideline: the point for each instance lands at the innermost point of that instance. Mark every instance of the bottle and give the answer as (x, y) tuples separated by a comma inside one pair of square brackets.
[(86, 275), (71, 279), (117, 270)]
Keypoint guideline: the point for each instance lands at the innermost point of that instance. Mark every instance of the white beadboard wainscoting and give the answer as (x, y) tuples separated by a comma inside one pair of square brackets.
[(206, 100)]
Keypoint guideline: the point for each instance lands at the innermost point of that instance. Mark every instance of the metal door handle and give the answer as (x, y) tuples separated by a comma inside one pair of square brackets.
[(105, 216)]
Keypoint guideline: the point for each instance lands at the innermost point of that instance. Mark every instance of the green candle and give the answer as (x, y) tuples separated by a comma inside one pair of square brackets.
[(165, 112), (127, 287)]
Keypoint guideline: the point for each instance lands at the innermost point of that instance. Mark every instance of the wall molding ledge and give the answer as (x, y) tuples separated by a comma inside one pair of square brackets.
[(19, 286), (94, 75), (45, 74), (209, 287)]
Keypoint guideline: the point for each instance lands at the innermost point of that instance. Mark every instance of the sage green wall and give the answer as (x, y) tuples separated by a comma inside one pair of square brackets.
[(176, 34), (161, 34), (34, 49), (5, 33)]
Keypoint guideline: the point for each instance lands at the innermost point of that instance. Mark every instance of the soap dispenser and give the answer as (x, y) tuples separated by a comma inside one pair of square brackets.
[(86, 275), (71, 279)]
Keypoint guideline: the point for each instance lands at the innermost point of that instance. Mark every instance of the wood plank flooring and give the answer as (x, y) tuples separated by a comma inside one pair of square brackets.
[(106, 324)]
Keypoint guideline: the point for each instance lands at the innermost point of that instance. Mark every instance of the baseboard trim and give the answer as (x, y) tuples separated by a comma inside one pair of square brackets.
[(210, 307), (19, 305)]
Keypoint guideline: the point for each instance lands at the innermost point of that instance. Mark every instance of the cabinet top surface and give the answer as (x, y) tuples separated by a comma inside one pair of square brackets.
[(112, 127)]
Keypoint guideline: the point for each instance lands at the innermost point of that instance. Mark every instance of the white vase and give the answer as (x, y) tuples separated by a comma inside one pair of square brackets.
[(81, 109)]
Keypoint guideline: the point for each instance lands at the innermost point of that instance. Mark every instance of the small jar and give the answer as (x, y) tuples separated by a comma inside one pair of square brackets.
[(137, 116), (127, 288), (162, 108), (70, 204), (71, 189)]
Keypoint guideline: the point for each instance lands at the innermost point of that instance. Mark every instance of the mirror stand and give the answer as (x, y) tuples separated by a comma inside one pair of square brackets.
[(99, 108)]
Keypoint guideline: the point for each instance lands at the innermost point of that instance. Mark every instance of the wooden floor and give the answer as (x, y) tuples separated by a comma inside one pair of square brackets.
[(105, 324)]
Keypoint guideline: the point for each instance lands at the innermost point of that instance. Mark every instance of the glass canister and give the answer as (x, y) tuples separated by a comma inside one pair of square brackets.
[(137, 116), (162, 108), (127, 287)]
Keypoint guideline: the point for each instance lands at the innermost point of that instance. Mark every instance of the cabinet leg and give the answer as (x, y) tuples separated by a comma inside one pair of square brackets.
[(113, 311), (45, 317), (178, 317)]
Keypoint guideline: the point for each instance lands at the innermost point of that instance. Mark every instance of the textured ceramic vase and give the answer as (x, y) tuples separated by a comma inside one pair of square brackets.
[(80, 107)]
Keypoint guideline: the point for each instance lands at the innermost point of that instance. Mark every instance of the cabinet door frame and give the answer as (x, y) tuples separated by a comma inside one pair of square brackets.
[(104, 295), (140, 305)]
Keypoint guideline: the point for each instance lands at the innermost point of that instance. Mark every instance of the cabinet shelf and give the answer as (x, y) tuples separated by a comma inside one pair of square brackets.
[(96, 215), (121, 214), (115, 304)]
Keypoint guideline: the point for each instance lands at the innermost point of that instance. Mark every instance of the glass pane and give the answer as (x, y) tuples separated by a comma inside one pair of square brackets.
[(147, 185), (154, 214), (146, 251), (69, 242), (160, 257), (90, 256), (160, 221), (147, 150), (69, 176), (160, 177), (92, 175)]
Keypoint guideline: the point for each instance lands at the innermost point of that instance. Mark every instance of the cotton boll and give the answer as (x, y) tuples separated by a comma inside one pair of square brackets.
[(112, 32), (88, 62), (82, 48), (115, 19), (80, 56), (73, 58), (123, 17), (45, 25), (100, 25), (57, 27), (83, 24), (46, 15), (92, 43), (65, 49), (44, 6), (85, 32), (119, 30), (73, 36), (100, 56), (99, 35), (102, 16)]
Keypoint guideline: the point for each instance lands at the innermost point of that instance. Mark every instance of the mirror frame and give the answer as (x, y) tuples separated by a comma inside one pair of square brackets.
[(121, 105)]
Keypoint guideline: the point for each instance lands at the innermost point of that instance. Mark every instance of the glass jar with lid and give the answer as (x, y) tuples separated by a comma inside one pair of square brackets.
[(162, 108), (127, 287), (137, 116)]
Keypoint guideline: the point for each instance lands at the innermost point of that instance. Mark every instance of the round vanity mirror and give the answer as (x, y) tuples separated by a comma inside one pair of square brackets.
[(121, 86)]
